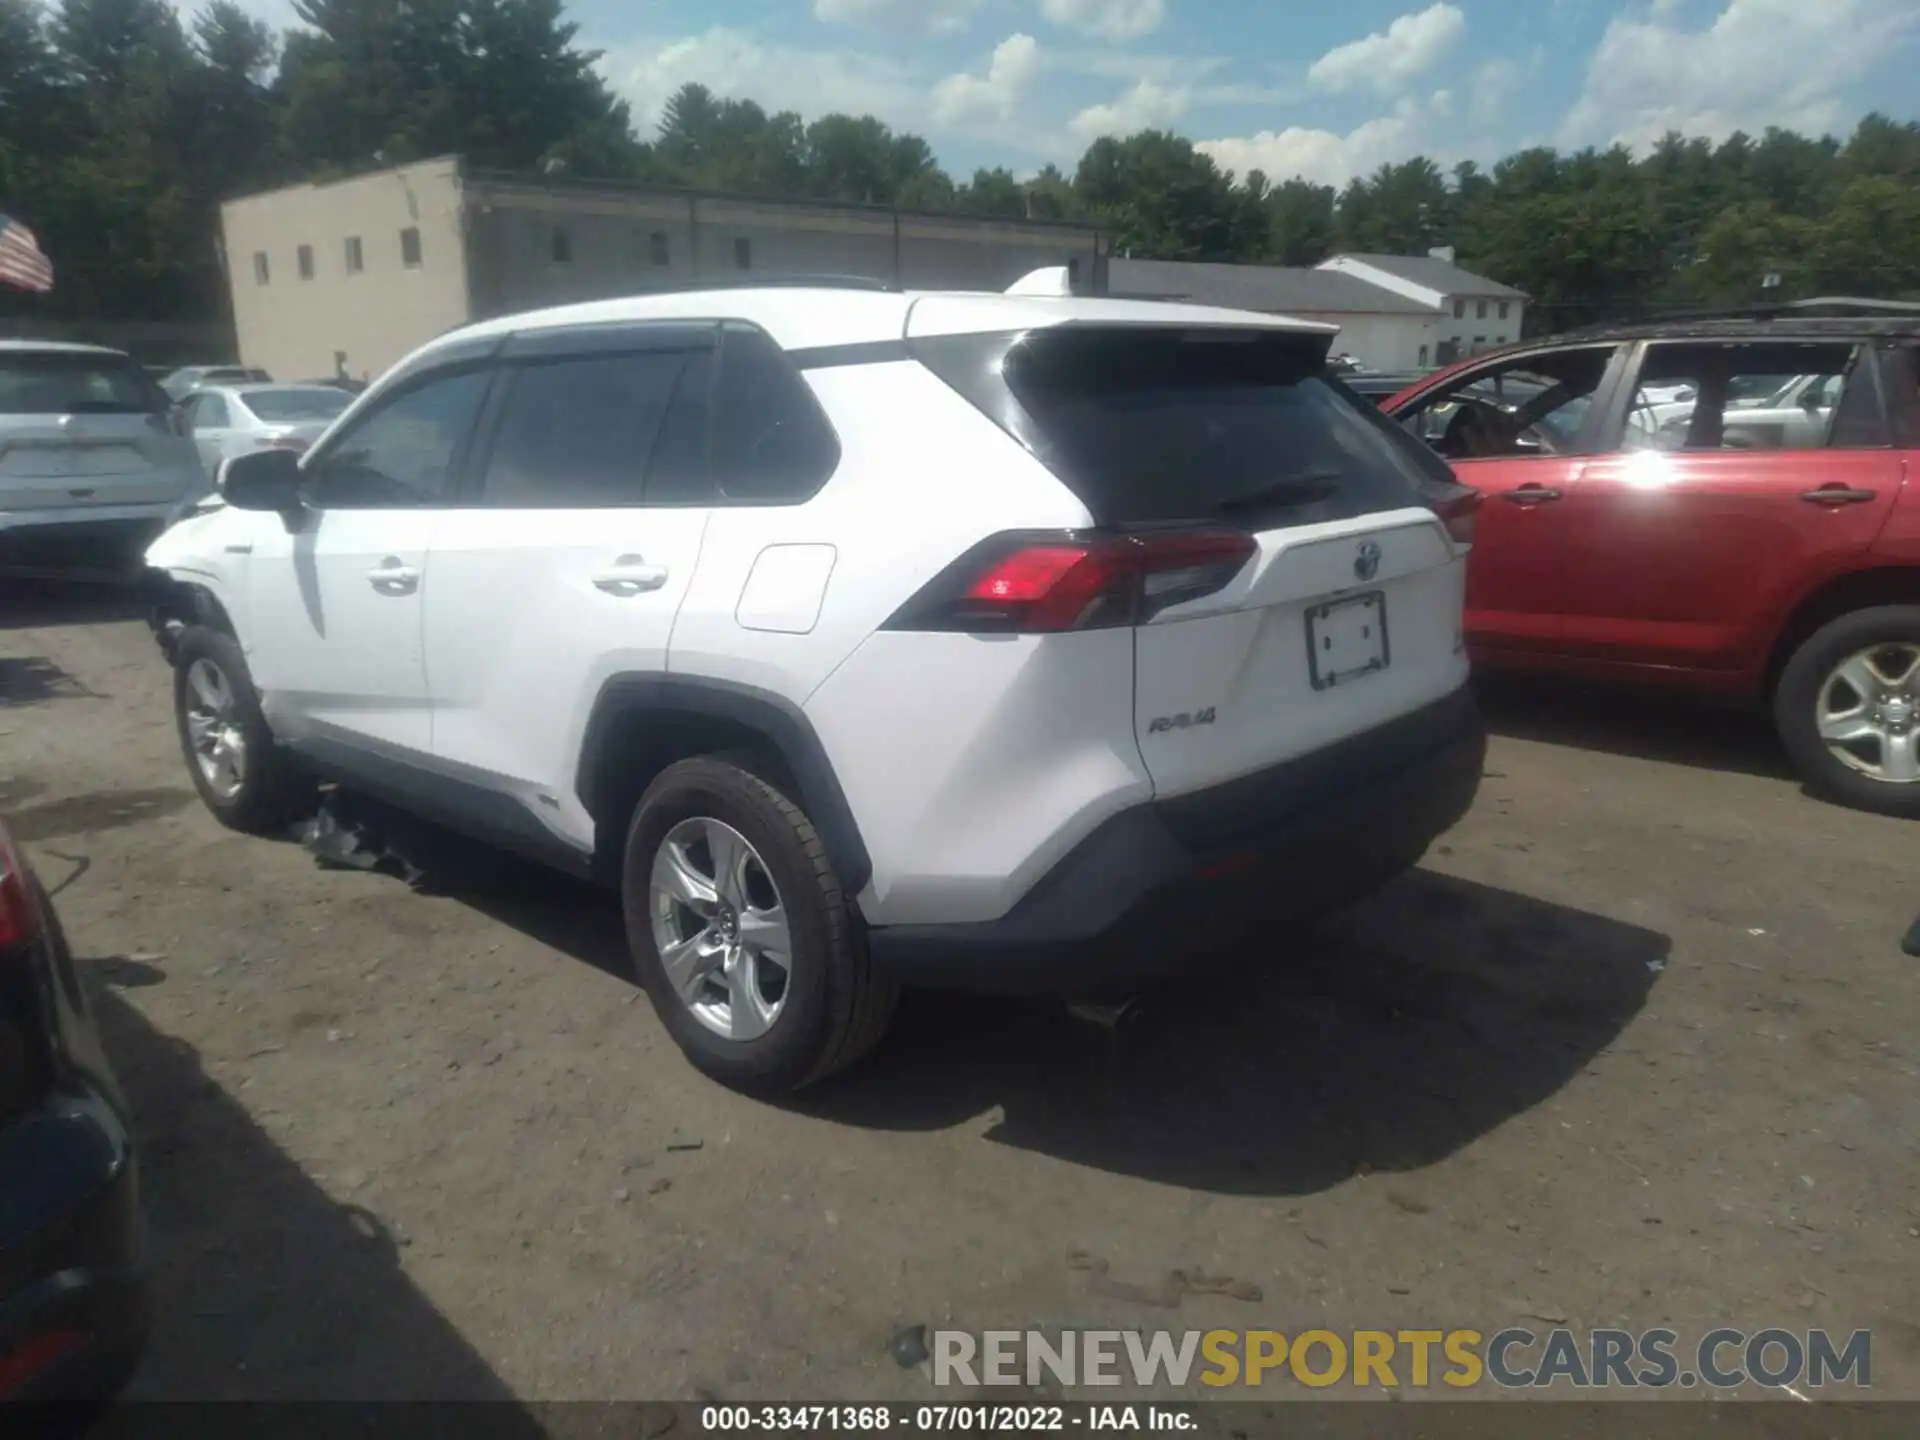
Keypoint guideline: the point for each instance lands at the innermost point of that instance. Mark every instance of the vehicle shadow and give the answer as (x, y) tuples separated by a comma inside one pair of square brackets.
[(1636, 723), (34, 680), (1385, 1039), (265, 1287)]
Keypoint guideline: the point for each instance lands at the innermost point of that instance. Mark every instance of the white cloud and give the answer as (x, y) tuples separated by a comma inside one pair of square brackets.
[(1319, 155), (939, 16), (1111, 19), (1757, 63), (735, 64), (1015, 63), (1387, 61), (1146, 106), (1493, 83), (279, 14)]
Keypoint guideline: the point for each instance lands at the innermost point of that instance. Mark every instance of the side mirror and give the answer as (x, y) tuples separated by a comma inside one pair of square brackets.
[(262, 480)]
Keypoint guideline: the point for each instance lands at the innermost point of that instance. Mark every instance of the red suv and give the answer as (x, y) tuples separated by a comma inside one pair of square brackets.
[(1727, 506)]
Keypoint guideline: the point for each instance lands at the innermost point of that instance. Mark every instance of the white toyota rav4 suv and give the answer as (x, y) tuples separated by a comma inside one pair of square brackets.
[(1026, 644)]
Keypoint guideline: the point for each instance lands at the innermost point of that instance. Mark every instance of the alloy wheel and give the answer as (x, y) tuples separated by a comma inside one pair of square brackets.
[(214, 730), (720, 929), (1867, 712)]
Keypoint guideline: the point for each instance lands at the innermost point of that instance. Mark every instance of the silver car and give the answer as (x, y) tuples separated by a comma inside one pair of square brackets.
[(183, 382), (230, 420), (89, 449), (1762, 413)]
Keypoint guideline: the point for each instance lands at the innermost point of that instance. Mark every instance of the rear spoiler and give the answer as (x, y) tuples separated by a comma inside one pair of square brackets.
[(1050, 280)]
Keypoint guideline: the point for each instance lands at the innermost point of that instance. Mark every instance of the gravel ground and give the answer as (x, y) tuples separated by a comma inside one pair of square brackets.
[(1635, 1046)]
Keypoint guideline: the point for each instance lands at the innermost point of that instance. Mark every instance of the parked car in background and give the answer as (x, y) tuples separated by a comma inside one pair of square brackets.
[(633, 588), (1759, 414), (228, 420), (339, 382), (73, 1291), (183, 382), (1380, 386), (91, 464), (1760, 540)]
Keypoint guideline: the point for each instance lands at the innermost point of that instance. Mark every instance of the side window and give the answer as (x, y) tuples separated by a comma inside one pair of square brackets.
[(210, 413), (402, 453), (578, 433), (771, 443), (1766, 396), (1531, 407)]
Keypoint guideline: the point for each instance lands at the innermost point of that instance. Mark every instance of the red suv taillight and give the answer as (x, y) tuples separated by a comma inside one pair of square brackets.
[(1456, 510), (1037, 582)]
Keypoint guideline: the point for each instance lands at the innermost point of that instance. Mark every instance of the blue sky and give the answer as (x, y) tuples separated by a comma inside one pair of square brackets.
[(1290, 86)]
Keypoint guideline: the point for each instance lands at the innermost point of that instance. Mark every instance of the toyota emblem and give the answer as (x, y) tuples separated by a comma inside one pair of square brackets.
[(1366, 561)]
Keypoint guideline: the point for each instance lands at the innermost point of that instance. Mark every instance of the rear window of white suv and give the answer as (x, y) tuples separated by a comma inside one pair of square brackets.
[(58, 382), (1149, 425)]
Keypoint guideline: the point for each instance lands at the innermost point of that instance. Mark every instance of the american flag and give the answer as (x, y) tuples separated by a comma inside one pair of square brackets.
[(21, 262)]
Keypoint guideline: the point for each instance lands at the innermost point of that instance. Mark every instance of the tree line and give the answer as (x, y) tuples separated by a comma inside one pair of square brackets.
[(122, 127)]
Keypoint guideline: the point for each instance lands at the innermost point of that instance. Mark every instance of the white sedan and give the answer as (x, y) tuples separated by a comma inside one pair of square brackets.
[(230, 420)]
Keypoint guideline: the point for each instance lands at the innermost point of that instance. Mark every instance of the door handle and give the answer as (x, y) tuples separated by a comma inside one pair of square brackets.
[(1835, 495), (1530, 495), (390, 577), (630, 575)]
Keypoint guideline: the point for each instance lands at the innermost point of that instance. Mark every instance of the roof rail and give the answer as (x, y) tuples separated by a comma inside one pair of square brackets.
[(1838, 307), (776, 282), (1853, 305)]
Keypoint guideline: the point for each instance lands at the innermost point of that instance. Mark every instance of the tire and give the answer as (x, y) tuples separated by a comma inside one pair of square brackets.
[(271, 790), (1811, 685), (829, 1004)]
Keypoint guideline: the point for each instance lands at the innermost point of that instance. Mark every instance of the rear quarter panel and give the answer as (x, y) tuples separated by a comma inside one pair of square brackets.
[(922, 476)]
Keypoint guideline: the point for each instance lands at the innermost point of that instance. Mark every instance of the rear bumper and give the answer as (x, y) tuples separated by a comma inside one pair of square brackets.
[(108, 539), (1154, 888), (78, 517)]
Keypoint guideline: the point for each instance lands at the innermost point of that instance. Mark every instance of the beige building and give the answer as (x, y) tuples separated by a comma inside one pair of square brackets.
[(353, 274)]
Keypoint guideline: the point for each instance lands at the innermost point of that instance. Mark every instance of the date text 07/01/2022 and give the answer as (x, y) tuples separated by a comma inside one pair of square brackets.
[(879, 1419)]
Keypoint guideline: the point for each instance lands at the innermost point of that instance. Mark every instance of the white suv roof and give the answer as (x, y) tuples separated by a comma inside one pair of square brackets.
[(58, 347), (807, 317)]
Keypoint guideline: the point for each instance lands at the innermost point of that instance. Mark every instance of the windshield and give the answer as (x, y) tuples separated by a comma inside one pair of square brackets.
[(58, 383), (294, 406)]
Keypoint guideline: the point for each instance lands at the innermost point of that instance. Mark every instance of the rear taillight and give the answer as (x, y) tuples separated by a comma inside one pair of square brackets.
[(1044, 582), (28, 1361), (19, 914), (1456, 510), (23, 1053)]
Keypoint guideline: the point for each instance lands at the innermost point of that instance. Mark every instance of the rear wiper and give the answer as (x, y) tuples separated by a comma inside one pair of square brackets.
[(1306, 486)]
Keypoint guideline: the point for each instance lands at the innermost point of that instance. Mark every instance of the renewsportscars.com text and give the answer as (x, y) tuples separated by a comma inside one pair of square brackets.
[(1514, 1358)]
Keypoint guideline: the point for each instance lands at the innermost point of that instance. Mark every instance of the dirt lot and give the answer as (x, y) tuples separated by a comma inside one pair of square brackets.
[(1635, 1046)]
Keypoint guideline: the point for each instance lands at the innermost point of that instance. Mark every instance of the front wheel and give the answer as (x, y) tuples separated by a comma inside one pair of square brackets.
[(1848, 709), (743, 939), (244, 777)]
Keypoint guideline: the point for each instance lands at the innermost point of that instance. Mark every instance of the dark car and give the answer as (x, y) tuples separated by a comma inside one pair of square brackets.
[(1380, 386), (73, 1298)]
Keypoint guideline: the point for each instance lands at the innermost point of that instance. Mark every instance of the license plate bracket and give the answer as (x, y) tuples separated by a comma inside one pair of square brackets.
[(1347, 639)]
